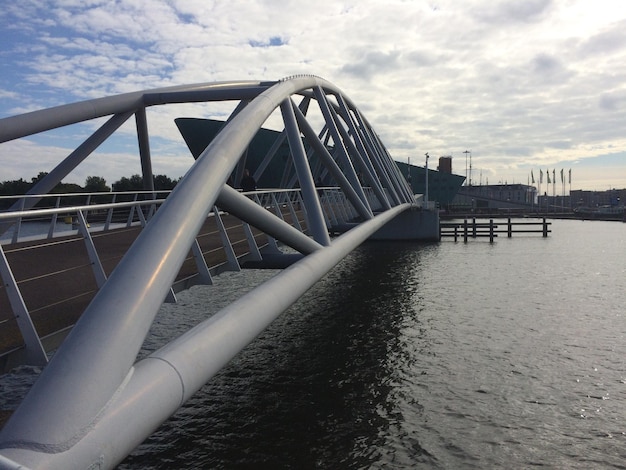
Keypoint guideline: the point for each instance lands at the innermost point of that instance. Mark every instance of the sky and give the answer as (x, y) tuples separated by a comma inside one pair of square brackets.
[(522, 86)]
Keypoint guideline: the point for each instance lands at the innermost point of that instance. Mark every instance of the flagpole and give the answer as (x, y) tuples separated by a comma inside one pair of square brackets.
[(570, 189), (554, 190), (532, 194), (547, 189), (563, 191), (539, 190)]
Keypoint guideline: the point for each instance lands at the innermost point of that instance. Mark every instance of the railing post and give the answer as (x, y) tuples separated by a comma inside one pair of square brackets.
[(53, 221), (294, 215), (509, 229), (131, 213), (255, 254), (203, 269), (545, 228), (18, 221), (233, 263), (465, 230), (96, 266), (109, 218), (35, 354), (490, 230)]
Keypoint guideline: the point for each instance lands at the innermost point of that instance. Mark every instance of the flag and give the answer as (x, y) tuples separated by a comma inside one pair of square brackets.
[(570, 176), (548, 176), (554, 176), (562, 180), (540, 176), (532, 177)]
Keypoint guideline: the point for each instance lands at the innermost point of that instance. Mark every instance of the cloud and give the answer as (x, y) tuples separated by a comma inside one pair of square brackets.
[(613, 101), (520, 83), (610, 40), (507, 12), (274, 41), (372, 63)]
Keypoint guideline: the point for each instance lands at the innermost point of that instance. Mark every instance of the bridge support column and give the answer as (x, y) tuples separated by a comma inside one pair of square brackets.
[(315, 218), (414, 224)]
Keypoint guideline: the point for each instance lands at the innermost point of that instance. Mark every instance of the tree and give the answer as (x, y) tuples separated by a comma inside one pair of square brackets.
[(163, 182), (39, 177), (96, 184), (134, 183), (10, 188)]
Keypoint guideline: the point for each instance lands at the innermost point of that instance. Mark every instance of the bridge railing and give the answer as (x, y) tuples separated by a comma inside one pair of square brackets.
[(82, 220), (58, 214)]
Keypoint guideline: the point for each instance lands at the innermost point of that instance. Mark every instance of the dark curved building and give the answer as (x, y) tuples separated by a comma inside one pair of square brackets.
[(277, 172)]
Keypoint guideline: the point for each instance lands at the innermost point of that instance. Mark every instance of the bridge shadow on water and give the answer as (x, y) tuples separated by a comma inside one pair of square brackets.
[(322, 387)]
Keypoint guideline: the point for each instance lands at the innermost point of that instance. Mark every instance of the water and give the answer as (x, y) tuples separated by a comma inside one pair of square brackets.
[(432, 356), (449, 355)]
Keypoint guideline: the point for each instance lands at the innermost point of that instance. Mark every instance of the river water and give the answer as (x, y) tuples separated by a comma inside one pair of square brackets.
[(443, 355), (448, 355)]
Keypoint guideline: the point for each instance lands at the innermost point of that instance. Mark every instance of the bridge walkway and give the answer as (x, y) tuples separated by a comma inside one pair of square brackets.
[(57, 281)]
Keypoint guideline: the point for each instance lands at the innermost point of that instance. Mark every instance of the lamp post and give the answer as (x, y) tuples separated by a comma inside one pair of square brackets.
[(466, 152), (426, 187)]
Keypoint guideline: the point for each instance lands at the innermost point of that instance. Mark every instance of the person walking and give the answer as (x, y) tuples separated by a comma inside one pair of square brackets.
[(248, 182)]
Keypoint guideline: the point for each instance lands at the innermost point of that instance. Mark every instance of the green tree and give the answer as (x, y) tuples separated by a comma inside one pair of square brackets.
[(163, 182), (39, 177), (10, 188), (96, 184), (134, 183)]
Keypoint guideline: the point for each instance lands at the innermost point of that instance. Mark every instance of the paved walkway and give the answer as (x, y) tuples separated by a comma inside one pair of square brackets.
[(57, 282)]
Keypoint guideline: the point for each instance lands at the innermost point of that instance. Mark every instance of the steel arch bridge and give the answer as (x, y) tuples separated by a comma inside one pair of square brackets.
[(94, 402)]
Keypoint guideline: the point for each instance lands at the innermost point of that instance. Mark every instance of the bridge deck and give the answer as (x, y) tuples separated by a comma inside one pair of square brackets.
[(57, 282)]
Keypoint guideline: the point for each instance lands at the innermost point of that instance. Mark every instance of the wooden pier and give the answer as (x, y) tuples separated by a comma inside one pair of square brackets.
[(467, 229)]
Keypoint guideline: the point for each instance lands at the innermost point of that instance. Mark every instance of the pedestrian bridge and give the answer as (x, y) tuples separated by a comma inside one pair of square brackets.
[(85, 288)]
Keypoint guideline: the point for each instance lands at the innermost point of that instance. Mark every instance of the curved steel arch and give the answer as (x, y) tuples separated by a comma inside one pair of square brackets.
[(93, 381)]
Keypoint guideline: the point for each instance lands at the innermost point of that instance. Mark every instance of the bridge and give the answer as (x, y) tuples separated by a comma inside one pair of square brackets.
[(121, 256)]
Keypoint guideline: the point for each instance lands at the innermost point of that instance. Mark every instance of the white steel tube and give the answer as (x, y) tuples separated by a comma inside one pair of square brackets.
[(243, 208), (315, 218)]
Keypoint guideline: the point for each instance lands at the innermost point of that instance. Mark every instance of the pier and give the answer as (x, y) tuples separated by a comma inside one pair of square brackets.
[(471, 229)]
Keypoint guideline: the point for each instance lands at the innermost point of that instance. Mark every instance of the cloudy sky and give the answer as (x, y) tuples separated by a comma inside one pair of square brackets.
[(524, 85)]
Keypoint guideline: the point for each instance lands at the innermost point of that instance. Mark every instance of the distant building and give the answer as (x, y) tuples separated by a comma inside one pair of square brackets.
[(496, 196), (611, 197), (198, 133), (445, 165), (442, 186)]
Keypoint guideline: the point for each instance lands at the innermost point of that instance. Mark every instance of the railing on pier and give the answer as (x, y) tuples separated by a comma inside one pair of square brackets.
[(472, 229)]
